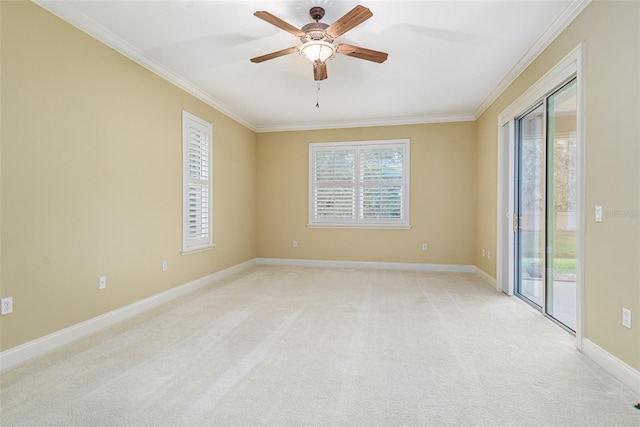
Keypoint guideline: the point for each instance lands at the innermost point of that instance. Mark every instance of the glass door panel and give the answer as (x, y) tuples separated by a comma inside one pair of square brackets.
[(530, 206), (561, 205)]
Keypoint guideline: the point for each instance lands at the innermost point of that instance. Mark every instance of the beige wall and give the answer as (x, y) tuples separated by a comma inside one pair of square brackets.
[(91, 184), (442, 198), (91, 178), (611, 32)]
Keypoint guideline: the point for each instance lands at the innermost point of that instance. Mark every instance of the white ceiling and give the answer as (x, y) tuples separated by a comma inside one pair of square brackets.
[(447, 59)]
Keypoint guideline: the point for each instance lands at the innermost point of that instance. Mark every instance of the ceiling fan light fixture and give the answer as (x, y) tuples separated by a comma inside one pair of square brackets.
[(317, 50), (317, 39)]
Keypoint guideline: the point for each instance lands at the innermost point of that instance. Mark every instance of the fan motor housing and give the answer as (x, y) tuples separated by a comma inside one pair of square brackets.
[(314, 31)]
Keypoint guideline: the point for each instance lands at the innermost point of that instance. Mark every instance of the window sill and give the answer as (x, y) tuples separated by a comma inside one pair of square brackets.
[(198, 250), (363, 226)]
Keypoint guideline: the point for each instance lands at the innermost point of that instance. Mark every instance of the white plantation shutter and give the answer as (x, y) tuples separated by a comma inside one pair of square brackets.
[(381, 184), (335, 191), (359, 184), (197, 183)]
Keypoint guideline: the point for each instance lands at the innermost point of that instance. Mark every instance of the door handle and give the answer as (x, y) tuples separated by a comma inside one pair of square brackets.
[(517, 222)]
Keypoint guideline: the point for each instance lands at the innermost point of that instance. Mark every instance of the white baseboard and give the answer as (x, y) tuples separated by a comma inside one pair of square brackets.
[(485, 276), (616, 367), (450, 268), (21, 353)]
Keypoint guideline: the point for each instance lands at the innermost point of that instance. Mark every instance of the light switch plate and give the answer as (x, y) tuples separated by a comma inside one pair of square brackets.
[(626, 318)]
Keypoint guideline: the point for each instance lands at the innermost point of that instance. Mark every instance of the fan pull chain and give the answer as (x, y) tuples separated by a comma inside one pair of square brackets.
[(317, 95)]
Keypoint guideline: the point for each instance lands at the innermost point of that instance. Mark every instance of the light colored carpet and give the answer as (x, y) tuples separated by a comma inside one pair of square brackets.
[(292, 346)]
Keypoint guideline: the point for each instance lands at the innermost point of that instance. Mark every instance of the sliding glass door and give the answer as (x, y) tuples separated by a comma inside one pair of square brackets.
[(545, 215), (530, 210), (562, 204)]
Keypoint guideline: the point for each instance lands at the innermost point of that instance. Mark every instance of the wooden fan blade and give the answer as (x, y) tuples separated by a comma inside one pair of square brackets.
[(319, 71), (362, 53), (275, 54), (353, 18), (274, 20)]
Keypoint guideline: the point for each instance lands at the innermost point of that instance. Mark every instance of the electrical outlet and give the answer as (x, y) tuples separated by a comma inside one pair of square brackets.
[(102, 282), (626, 318), (484, 252), (489, 254), (295, 243), (164, 266), (7, 305), (424, 246)]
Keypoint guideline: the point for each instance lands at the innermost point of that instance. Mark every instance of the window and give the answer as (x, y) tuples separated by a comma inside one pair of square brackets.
[(359, 184), (196, 184)]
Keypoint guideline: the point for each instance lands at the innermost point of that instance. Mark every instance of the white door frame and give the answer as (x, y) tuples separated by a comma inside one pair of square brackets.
[(506, 206), (571, 65)]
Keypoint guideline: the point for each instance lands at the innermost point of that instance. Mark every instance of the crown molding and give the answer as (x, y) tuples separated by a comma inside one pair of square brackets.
[(70, 15), (399, 121), (563, 20), (79, 20)]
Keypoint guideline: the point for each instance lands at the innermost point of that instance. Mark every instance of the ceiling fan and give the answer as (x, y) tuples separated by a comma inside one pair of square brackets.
[(318, 39)]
